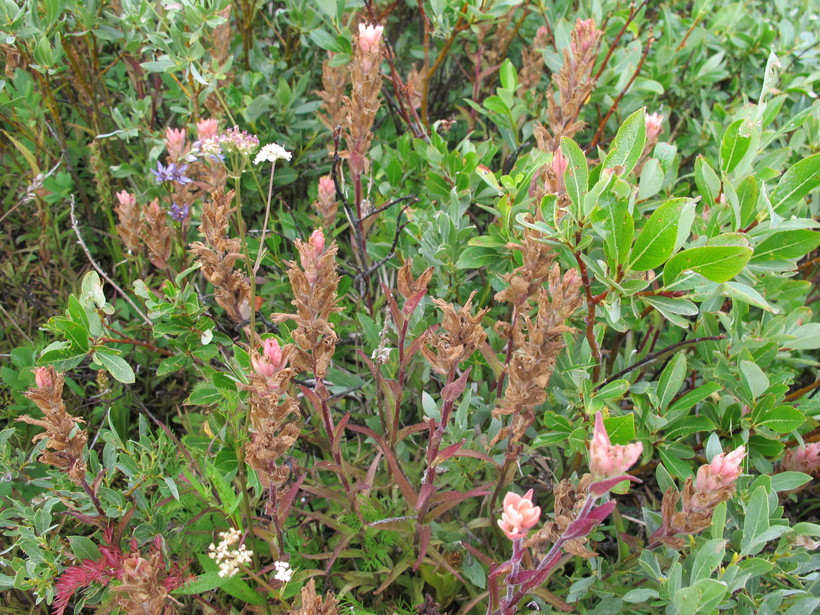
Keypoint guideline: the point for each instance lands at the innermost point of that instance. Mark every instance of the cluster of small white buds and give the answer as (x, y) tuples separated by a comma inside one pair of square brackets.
[(228, 557), (284, 572)]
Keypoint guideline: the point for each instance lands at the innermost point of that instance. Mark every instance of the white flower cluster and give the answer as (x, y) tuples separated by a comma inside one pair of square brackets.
[(228, 557), (283, 572), (271, 153)]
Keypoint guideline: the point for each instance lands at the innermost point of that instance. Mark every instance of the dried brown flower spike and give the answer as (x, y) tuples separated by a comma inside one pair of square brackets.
[(231, 290), (313, 604), (65, 441), (315, 285), (463, 334), (156, 234)]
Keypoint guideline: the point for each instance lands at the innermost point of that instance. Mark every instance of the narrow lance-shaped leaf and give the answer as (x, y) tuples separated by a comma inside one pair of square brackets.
[(715, 263), (576, 177), (796, 183), (628, 144), (658, 238)]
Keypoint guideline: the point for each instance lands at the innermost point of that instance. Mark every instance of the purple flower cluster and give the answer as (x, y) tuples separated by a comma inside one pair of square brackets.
[(172, 173), (179, 212)]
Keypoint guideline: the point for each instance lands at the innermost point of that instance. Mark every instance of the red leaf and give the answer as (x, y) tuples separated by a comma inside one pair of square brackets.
[(603, 486), (424, 532), (454, 389), (404, 484)]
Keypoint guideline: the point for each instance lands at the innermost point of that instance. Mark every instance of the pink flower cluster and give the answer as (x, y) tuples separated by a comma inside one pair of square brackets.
[(369, 38), (723, 471), (608, 460), (519, 515), (654, 125), (804, 459)]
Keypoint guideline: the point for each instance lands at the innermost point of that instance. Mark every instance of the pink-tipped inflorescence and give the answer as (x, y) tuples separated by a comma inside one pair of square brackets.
[(519, 515), (317, 240), (175, 142), (43, 378), (271, 361), (723, 470), (369, 38), (804, 459), (607, 460), (654, 125), (559, 166), (206, 129)]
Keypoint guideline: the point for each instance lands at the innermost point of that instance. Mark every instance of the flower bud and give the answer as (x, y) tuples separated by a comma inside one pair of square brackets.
[(369, 38), (206, 129), (803, 459), (518, 515), (722, 472), (126, 199), (175, 142), (654, 125), (327, 189), (317, 240), (607, 460), (43, 378)]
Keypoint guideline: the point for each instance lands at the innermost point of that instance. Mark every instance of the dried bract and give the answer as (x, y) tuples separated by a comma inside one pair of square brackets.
[(462, 336), (64, 440)]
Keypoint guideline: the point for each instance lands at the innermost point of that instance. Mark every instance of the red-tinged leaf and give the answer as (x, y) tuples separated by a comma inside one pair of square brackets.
[(407, 490), (411, 429), (448, 452), (322, 492), (543, 573), (424, 533), (411, 350), (450, 502), (579, 528), (283, 509), (603, 486), (484, 559), (338, 431), (601, 512), (454, 389), (342, 544), (426, 491), (367, 484), (327, 520), (465, 452), (395, 312), (311, 397), (413, 301)]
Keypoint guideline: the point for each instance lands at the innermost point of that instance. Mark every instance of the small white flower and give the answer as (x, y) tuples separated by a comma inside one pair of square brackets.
[(271, 153), (229, 559), (284, 572)]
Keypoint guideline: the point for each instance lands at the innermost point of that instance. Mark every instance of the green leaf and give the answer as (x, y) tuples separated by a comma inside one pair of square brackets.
[(806, 337), (695, 397), (84, 548), (707, 559), (735, 144), (615, 224), (707, 181), (173, 364), (715, 263), (116, 366), (655, 244), (756, 521), (786, 481), (640, 595), (203, 583), (62, 357), (796, 183), (621, 429), (576, 177), (786, 245), (782, 419), (628, 144), (671, 379), (756, 381)]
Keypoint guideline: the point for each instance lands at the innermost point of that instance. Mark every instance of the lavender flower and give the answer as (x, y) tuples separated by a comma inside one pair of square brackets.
[(180, 212), (172, 172)]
